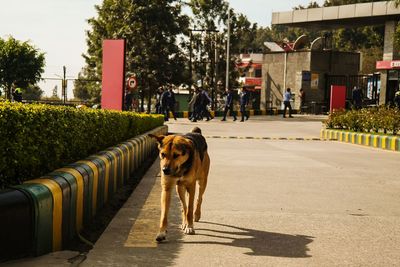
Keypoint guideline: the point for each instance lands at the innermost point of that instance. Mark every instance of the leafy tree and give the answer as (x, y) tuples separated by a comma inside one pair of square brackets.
[(87, 86), (151, 29), (20, 64), (32, 92)]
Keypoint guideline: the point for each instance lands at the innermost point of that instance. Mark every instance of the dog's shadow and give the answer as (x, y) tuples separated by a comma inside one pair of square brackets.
[(260, 243)]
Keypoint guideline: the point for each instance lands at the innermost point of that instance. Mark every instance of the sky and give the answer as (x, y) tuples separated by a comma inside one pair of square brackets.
[(58, 28)]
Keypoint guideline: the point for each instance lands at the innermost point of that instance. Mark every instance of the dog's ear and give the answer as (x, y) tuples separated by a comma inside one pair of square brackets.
[(159, 138)]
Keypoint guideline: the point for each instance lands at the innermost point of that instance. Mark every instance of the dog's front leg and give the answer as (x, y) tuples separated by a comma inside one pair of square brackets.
[(189, 215), (181, 189), (165, 201)]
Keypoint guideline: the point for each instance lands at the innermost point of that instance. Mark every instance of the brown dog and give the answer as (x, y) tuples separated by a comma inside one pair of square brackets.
[(184, 160)]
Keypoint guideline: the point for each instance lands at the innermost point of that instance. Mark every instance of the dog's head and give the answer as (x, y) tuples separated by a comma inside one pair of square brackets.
[(175, 152)]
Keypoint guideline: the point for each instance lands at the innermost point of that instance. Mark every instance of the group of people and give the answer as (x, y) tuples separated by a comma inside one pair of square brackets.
[(244, 100), (198, 105), (165, 102)]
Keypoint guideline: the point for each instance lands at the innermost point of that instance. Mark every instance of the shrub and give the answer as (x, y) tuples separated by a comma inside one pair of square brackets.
[(381, 119), (36, 139)]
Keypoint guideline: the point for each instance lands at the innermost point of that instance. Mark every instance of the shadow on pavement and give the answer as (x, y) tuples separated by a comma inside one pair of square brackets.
[(260, 243)]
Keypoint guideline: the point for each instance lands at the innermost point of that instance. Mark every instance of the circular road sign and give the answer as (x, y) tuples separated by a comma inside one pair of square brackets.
[(132, 82)]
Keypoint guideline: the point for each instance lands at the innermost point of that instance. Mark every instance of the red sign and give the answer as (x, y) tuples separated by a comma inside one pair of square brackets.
[(338, 97), (113, 77), (388, 65), (253, 81), (132, 83)]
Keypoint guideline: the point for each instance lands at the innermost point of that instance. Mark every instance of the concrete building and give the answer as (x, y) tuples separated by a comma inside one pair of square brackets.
[(303, 69), (355, 15)]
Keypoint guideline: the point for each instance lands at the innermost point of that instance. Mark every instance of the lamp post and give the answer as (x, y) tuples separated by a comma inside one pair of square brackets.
[(227, 50)]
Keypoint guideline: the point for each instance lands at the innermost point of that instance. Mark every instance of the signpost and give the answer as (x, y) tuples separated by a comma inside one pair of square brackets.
[(132, 83)]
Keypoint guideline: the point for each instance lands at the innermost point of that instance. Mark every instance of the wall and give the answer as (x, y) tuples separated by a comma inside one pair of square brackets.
[(299, 65), (276, 80)]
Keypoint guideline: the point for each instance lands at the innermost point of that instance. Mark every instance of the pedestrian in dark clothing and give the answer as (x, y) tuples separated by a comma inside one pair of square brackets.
[(229, 105), (286, 102), (192, 107), (244, 101), (357, 97), (17, 94), (205, 101), (164, 104), (171, 102), (128, 100)]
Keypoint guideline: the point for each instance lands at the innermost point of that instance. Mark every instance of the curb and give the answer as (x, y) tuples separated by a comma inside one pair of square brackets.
[(45, 214), (391, 143), (265, 138)]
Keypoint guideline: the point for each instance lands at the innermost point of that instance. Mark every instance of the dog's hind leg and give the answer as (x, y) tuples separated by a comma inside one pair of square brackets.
[(202, 188), (181, 190), (165, 201)]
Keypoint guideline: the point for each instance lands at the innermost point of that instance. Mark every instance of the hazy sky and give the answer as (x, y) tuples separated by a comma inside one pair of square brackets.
[(57, 28)]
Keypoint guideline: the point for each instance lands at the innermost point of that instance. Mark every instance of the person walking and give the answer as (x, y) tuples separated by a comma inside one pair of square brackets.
[(171, 102), (286, 102), (164, 104), (205, 101), (191, 104), (128, 100), (244, 101), (229, 104), (197, 102)]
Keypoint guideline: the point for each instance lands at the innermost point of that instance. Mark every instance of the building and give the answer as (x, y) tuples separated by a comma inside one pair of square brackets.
[(356, 15), (309, 69), (250, 68)]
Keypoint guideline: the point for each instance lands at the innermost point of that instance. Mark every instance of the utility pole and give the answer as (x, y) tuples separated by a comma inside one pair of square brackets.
[(190, 67), (215, 71), (64, 85), (227, 50)]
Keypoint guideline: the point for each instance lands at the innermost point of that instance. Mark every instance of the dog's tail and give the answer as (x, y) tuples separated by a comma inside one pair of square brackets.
[(196, 130)]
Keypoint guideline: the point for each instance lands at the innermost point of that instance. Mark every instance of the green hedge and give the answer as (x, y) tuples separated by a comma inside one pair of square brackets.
[(377, 120), (36, 139)]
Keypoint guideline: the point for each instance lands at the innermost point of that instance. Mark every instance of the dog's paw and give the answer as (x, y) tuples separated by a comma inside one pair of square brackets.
[(162, 236), (183, 226), (189, 230)]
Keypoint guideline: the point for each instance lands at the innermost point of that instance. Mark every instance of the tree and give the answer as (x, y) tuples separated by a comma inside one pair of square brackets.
[(87, 86), (151, 29), (32, 92), (21, 64)]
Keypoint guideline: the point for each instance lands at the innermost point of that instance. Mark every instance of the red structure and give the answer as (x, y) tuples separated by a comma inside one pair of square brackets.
[(338, 97), (113, 77)]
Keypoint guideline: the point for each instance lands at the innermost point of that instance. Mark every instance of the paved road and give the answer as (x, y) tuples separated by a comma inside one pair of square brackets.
[(269, 203)]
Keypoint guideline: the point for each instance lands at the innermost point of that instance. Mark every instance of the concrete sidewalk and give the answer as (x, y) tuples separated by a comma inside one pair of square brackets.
[(269, 203)]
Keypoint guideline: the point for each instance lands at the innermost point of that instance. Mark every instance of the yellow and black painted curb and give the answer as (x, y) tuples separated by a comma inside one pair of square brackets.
[(45, 214), (372, 140), (265, 138)]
